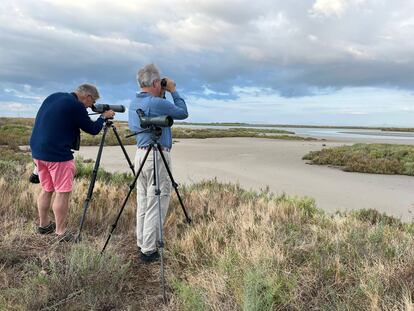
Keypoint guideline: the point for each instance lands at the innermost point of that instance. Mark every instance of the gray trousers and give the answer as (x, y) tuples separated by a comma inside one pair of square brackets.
[(147, 207)]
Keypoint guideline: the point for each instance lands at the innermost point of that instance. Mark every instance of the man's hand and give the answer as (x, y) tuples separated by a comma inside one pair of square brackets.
[(170, 85), (109, 114)]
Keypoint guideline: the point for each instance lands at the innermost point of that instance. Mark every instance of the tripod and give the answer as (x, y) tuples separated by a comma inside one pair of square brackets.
[(108, 124), (156, 148)]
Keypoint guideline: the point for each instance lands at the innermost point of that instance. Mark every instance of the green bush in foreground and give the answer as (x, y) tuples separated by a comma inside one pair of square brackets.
[(367, 158)]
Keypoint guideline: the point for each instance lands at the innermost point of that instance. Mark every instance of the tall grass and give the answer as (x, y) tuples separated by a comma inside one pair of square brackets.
[(244, 251), (77, 279), (367, 158), (258, 252)]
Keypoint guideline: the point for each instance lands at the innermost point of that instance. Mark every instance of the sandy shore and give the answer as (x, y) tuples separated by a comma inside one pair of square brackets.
[(257, 163)]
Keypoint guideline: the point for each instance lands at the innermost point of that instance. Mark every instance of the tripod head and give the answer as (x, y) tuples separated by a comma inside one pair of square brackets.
[(155, 132)]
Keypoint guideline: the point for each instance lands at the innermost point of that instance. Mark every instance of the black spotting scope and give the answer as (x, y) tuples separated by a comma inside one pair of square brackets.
[(100, 108), (161, 121)]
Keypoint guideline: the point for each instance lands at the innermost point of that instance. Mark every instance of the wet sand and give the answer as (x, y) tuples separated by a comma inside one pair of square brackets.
[(257, 163)]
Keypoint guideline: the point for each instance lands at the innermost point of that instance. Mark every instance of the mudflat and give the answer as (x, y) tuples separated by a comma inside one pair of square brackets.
[(257, 163)]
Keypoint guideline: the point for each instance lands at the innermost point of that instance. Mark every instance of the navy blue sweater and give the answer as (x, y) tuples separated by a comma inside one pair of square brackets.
[(57, 127)]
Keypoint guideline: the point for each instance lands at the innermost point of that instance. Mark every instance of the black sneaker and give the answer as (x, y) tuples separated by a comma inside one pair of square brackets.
[(66, 237), (148, 258), (50, 228)]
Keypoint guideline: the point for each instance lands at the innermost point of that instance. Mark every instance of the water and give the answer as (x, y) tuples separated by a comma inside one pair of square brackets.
[(352, 133), (329, 133)]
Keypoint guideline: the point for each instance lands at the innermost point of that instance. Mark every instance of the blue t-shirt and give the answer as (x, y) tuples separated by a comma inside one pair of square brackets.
[(154, 107), (57, 127)]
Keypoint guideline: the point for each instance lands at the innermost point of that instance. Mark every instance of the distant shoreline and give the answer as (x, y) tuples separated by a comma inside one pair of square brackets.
[(393, 129), (241, 124)]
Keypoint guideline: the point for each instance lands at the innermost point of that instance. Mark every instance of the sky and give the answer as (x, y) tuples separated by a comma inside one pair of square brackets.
[(317, 62)]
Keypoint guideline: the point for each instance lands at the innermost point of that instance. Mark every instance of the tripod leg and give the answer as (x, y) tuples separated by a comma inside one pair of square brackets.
[(175, 185), (131, 188), (92, 183), (131, 166), (160, 222)]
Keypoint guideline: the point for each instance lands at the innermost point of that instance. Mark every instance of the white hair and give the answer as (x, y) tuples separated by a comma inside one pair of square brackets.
[(88, 89), (147, 75)]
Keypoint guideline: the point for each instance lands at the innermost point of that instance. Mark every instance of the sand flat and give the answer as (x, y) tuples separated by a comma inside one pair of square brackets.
[(257, 163)]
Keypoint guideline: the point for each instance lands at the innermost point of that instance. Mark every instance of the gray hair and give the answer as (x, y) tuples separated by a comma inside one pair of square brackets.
[(147, 75), (88, 89)]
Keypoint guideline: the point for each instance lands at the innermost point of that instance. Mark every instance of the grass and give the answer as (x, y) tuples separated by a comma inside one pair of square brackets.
[(367, 158), (76, 275), (245, 250), (15, 131), (84, 169)]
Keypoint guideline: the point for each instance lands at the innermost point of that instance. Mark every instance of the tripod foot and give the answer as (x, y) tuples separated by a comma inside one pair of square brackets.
[(78, 239)]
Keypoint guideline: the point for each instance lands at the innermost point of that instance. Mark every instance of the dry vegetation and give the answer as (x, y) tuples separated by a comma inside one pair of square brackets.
[(367, 158), (244, 251)]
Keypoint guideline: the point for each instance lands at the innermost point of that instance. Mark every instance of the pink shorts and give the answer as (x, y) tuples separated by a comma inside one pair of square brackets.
[(56, 176)]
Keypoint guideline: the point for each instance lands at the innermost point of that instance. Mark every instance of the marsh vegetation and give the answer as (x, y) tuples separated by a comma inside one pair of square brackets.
[(244, 251), (367, 158)]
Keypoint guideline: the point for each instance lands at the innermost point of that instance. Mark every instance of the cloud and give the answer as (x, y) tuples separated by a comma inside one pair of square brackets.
[(15, 106), (333, 8), (214, 49), (329, 7)]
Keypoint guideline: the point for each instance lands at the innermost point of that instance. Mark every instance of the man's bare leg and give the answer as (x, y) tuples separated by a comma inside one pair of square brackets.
[(43, 207), (60, 209)]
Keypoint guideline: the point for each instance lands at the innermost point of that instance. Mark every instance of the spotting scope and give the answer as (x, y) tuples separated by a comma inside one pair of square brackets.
[(161, 121), (100, 108)]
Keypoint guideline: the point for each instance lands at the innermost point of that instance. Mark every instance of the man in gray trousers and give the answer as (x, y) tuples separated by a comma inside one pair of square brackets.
[(150, 100)]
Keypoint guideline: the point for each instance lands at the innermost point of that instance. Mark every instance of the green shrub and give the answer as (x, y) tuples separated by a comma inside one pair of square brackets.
[(367, 158)]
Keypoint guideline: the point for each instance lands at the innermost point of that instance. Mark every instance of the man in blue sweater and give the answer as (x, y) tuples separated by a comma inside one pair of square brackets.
[(151, 102), (56, 133)]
